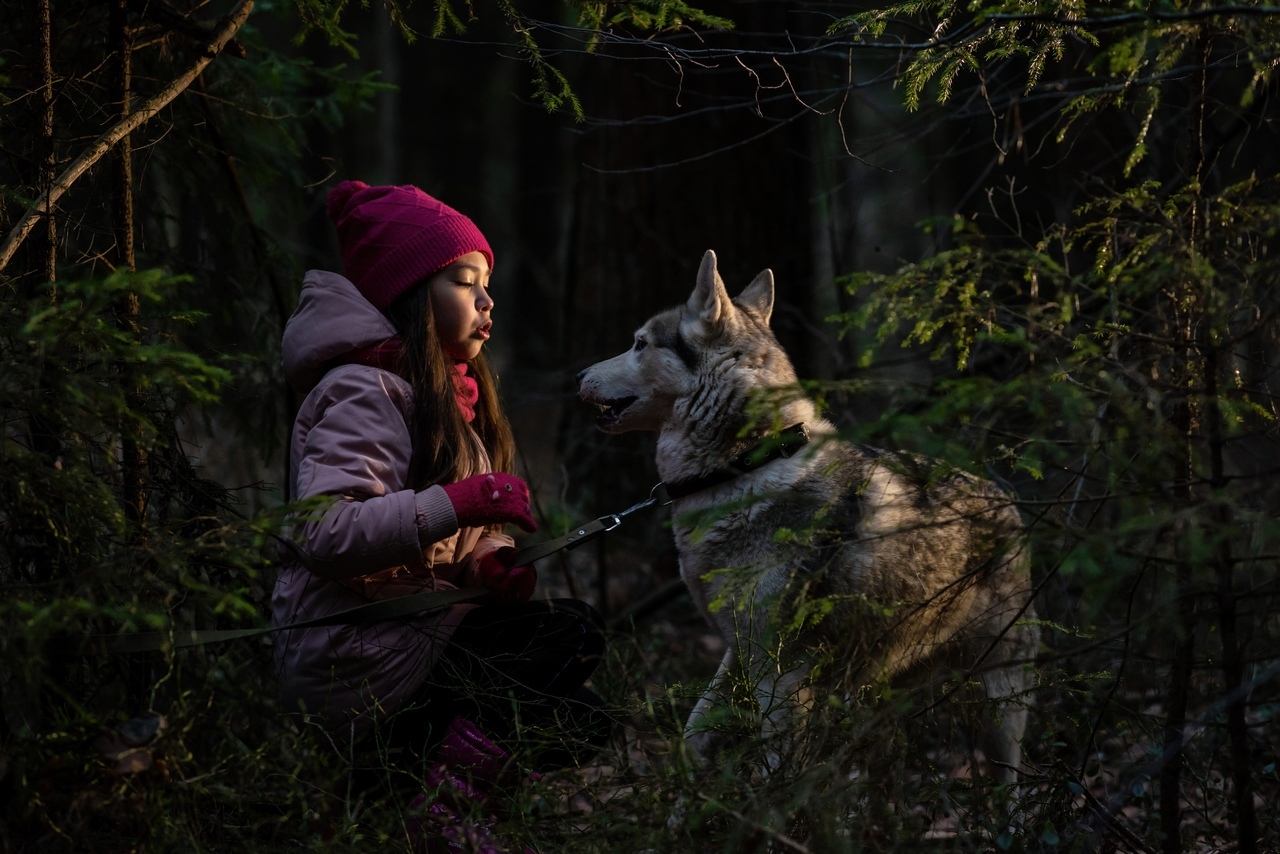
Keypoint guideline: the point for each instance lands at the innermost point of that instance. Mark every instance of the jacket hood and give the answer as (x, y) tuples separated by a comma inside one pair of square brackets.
[(332, 319)]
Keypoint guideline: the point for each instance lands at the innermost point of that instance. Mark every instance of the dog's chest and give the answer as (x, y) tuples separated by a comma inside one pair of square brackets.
[(725, 539), (707, 553), (769, 529), (735, 543)]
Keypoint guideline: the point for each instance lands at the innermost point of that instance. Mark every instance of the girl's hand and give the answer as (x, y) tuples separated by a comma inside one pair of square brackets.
[(491, 499), (506, 583)]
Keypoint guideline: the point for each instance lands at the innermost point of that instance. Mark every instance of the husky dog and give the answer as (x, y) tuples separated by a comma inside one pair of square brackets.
[(914, 564)]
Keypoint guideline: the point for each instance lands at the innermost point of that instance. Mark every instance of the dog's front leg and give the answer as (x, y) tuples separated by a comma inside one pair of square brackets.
[(696, 733), (784, 702), (1009, 689)]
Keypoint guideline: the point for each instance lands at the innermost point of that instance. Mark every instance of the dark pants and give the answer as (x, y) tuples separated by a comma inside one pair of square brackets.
[(517, 670)]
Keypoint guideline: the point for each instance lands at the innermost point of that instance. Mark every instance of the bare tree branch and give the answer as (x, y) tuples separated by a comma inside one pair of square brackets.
[(103, 144)]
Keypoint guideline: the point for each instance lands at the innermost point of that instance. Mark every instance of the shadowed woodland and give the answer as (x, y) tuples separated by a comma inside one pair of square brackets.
[(1037, 242)]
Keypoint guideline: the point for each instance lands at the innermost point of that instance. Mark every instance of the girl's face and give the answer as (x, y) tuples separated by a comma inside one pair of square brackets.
[(461, 304)]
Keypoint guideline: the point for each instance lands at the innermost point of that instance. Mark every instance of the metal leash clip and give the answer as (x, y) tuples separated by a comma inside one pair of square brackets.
[(589, 531)]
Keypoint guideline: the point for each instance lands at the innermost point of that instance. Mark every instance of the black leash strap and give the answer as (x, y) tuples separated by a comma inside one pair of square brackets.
[(585, 533), (370, 612), (789, 441)]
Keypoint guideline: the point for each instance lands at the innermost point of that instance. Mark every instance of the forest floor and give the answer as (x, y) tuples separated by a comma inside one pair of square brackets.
[(1101, 797)]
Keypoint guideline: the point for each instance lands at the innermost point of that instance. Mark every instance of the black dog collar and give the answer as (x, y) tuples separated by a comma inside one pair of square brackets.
[(788, 442)]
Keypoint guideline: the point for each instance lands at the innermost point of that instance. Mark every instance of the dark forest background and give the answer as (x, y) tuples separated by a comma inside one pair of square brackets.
[(1036, 241)]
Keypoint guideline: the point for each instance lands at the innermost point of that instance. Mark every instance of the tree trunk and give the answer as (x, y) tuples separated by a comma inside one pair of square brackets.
[(48, 154), (1221, 524), (120, 45)]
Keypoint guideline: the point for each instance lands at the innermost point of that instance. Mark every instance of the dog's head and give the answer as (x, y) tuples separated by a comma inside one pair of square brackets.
[(710, 340)]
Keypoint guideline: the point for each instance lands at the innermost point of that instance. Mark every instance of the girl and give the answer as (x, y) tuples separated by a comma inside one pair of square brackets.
[(402, 436)]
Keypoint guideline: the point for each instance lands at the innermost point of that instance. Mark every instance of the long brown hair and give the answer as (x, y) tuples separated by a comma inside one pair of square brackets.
[(443, 448)]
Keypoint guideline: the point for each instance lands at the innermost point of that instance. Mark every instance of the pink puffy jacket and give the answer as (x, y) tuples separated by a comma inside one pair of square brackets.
[(377, 538)]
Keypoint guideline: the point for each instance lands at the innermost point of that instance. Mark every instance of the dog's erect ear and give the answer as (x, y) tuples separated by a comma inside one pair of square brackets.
[(709, 298), (757, 297)]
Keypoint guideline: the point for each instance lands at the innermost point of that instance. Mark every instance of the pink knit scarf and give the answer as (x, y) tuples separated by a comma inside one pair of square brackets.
[(465, 391), (384, 356)]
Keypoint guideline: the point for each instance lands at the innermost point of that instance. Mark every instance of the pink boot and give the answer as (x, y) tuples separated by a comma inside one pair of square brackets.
[(465, 750), (447, 825), (467, 765)]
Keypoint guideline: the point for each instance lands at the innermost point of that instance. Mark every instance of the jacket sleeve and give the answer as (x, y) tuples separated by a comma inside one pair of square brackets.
[(358, 450)]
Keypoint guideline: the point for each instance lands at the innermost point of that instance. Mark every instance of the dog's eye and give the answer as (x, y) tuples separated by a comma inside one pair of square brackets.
[(640, 344)]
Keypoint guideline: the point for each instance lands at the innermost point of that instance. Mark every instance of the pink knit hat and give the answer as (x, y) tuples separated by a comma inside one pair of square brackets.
[(393, 237)]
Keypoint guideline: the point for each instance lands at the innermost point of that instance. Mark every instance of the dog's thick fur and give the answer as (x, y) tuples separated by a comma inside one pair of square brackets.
[(922, 564)]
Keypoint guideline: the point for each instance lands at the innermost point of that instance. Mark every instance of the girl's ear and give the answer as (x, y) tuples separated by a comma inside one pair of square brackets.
[(709, 301)]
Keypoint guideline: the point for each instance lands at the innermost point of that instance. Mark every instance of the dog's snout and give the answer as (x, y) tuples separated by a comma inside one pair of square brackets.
[(582, 373)]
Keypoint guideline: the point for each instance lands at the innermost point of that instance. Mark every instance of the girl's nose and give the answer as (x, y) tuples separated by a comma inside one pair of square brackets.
[(484, 302)]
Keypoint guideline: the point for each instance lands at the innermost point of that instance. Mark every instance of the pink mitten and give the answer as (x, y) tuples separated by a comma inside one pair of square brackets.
[(491, 499), (507, 583)]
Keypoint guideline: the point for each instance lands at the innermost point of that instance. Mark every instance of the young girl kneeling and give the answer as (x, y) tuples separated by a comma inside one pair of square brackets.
[(402, 429)]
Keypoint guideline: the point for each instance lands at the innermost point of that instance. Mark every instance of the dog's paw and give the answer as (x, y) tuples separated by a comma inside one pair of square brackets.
[(698, 745), (679, 815)]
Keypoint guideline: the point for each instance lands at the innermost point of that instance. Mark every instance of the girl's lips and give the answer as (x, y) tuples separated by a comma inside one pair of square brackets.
[(483, 332)]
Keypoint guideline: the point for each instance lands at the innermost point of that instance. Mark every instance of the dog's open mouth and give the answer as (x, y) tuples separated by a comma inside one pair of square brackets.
[(611, 410)]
